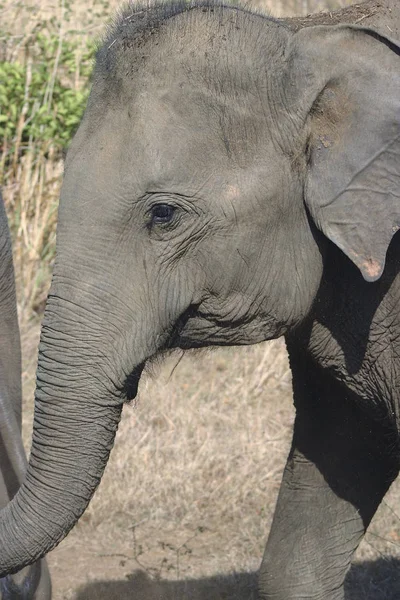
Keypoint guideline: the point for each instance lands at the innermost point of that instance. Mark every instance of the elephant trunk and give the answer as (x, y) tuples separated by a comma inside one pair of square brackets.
[(77, 411)]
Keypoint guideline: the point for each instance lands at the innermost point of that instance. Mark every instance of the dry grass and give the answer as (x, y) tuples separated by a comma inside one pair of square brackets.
[(186, 503)]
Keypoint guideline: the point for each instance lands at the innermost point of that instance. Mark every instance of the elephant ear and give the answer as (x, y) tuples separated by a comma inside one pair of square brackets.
[(346, 80)]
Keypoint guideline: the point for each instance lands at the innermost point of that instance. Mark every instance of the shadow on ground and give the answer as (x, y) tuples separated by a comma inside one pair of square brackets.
[(369, 580), (139, 586), (374, 580)]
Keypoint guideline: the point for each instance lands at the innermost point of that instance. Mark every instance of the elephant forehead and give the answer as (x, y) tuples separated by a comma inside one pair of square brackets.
[(159, 145), (175, 134), (190, 129)]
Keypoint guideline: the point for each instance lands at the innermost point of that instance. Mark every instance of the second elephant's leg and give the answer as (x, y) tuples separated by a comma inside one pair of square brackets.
[(340, 466), (33, 582)]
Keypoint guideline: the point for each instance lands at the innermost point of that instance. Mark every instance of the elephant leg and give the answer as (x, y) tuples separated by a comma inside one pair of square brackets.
[(33, 582), (341, 464)]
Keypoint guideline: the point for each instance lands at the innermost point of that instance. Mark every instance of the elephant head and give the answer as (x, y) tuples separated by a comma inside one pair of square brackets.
[(219, 156)]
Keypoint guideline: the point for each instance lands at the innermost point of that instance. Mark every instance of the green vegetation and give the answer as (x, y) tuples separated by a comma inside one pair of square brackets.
[(39, 99)]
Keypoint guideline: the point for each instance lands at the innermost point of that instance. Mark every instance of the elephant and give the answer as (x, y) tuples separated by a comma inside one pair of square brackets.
[(30, 583), (234, 179)]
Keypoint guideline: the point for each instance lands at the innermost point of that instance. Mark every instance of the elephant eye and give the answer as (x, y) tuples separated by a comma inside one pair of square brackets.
[(162, 213)]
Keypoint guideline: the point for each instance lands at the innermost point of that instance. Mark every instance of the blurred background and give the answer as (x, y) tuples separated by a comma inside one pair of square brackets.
[(185, 506)]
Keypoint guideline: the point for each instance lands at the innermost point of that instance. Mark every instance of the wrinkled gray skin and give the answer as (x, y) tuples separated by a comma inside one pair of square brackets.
[(31, 583), (234, 179)]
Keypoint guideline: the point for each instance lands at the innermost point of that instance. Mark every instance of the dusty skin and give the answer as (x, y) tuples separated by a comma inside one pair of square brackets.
[(194, 472)]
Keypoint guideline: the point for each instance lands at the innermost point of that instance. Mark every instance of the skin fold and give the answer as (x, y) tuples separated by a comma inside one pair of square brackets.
[(30, 583), (235, 178)]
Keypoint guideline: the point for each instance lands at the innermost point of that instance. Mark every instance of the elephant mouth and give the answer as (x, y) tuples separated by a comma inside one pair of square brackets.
[(177, 333), (172, 341), (130, 388)]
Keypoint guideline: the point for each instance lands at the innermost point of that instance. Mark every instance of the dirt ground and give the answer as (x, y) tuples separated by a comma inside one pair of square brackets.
[(185, 506)]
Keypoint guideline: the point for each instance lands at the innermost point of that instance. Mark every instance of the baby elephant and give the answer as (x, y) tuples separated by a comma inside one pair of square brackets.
[(234, 179), (31, 583)]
